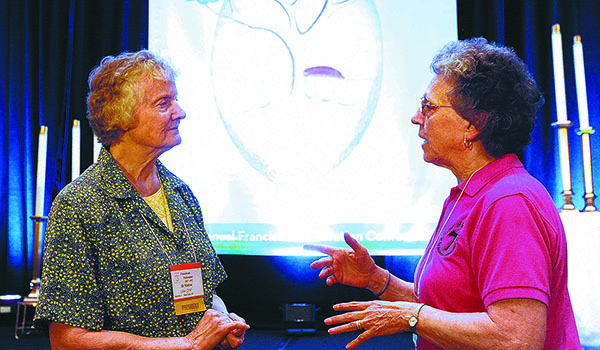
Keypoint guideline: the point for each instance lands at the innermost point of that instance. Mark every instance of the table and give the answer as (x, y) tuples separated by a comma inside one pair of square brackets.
[(583, 243)]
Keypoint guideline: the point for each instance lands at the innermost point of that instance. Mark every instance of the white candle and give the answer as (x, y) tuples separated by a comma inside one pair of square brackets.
[(582, 105), (41, 171), (559, 75), (97, 148), (75, 150)]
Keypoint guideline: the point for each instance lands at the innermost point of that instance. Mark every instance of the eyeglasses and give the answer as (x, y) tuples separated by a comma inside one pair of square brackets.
[(426, 106)]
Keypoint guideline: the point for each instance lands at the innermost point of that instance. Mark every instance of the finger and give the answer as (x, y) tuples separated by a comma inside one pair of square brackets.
[(322, 262), (235, 337), (357, 247), (334, 320), (223, 345), (233, 325), (241, 325), (234, 341), (234, 344), (348, 327), (320, 248), (351, 306), (359, 340), (326, 272), (238, 332), (343, 318), (331, 280), (235, 317)]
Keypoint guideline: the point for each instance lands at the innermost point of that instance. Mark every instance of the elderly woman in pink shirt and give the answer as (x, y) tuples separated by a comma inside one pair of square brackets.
[(494, 274)]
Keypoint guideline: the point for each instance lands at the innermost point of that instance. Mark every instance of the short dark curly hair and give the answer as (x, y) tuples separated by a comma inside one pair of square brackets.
[(493, 90), (115, 90)]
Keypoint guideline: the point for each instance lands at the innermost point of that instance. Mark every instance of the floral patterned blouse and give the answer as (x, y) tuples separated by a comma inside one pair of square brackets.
[(103, 264)]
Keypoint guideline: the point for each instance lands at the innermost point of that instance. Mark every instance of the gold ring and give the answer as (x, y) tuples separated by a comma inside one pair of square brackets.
[(358, 327)]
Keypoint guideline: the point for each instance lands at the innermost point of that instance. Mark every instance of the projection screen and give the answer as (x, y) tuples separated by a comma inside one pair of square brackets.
[(297, 123)]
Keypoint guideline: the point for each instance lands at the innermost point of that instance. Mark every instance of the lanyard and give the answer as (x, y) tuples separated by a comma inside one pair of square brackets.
[(187, 233), (441, 230)]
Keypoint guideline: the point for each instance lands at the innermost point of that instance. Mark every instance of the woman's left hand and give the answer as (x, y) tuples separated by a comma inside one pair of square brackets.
[(235, 338), (376, 318)]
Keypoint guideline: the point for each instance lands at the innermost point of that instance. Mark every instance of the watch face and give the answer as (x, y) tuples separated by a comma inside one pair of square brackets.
[(412, 321)]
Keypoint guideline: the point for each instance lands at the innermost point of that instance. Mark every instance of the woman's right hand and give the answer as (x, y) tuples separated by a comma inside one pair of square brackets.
[(351, 267), (213, 328)]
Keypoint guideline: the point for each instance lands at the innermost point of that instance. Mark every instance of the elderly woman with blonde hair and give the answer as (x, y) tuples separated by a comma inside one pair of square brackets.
[(127, 261)]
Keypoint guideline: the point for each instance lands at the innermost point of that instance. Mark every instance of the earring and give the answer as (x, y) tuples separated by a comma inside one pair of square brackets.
[(468, 144)]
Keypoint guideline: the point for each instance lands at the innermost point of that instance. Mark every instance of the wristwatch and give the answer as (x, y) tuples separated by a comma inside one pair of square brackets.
[(414, 318)]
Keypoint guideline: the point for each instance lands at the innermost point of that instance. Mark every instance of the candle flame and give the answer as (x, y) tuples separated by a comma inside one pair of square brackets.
[(75, 122), (556, 29), (43, 130), (577, 39)]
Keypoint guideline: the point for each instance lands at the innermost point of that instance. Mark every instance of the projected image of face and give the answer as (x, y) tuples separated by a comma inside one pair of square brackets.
[(296, 82)]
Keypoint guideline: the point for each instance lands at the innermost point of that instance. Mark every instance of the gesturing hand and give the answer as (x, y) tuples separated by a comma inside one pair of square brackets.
[(351, 267), (375, 318)]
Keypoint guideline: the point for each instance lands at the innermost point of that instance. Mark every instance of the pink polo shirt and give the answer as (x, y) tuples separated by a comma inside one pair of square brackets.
[(503, 240)]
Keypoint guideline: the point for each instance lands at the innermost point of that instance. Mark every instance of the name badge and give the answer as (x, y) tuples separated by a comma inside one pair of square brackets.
[(188, 290)]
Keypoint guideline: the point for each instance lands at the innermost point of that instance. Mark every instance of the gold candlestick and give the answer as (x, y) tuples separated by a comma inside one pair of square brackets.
[(587, 168), (32, 298), (565, 165), (23, 326)]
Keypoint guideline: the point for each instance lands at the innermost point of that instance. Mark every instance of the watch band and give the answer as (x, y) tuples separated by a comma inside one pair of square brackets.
[(414, 318)]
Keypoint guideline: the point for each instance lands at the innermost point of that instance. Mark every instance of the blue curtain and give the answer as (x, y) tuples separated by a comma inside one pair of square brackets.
[(47, 48)]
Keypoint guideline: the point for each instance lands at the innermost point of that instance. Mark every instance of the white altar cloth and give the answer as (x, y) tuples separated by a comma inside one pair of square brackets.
[(583, 244)]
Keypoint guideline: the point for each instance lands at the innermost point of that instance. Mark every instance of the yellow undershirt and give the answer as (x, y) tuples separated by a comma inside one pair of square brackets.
[(158, 203)]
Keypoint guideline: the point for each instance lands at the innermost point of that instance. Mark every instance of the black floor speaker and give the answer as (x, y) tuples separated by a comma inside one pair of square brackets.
[(299, 318)]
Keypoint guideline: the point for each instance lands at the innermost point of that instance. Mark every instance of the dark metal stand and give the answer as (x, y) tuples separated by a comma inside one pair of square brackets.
[(22, 325)]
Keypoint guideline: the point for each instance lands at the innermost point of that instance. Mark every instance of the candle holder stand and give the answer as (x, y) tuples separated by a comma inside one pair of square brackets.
[(23, 323), (565, 165), (587, 168), (32, 298)]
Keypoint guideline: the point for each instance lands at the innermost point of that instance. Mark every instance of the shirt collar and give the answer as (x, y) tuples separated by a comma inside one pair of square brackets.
[(116, 183), (489, 172)]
